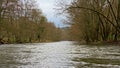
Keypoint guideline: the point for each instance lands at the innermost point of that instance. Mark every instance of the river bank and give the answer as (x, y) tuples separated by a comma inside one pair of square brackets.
[(81, 42), (45, 41)]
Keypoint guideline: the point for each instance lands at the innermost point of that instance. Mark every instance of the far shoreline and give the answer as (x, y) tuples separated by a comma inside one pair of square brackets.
[(80, 43)]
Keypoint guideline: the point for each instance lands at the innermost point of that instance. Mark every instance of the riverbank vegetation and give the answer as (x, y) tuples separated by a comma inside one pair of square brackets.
[(21, 22), (93, 21)]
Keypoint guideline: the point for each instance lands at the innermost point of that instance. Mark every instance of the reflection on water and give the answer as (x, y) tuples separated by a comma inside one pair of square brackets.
[(63, 54)]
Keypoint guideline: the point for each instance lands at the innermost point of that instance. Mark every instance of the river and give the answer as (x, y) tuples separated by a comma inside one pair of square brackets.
[(63, 54)]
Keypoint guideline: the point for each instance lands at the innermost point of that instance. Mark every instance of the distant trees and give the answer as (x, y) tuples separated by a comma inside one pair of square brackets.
[(52, 33), (21, 21), (94, 20), (65, 34)]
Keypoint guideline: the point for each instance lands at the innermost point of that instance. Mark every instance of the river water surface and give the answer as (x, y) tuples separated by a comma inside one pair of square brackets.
[(64, 54)]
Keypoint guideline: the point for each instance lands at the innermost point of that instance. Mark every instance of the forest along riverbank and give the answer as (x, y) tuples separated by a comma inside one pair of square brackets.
[(64, 54)]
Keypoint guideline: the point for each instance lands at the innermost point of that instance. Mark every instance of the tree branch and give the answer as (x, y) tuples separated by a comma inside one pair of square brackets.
[(97, 13)]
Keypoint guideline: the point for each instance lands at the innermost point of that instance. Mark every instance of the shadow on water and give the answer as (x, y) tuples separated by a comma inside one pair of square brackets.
[(16, 55), (104, 56), (11, 60), (93, 62)]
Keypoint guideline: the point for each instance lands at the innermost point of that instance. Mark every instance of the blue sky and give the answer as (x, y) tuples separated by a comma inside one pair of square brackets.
[(47, 7)]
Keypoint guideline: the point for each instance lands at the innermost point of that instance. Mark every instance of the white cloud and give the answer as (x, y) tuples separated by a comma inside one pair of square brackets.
[(47, 7)]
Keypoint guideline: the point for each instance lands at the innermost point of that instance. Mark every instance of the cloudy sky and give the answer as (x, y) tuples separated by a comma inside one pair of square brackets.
[(47, 7)]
